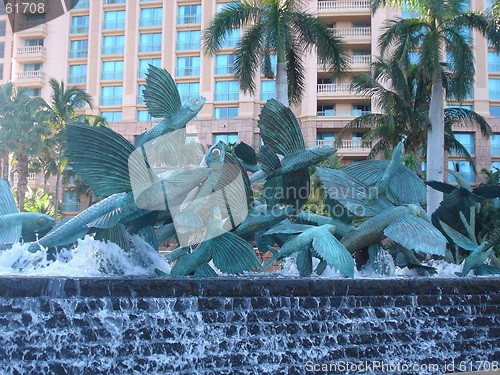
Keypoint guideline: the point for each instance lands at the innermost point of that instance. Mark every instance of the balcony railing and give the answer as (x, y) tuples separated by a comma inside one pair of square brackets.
[(226, 96), (111, 100), (189, 19), (494, 67), (115, 74), (113, 24), (224, 69), (344, 4), (495, 94), (495, 149), (188, 71), (347, 144), (150, 47), (78, 54), (352, 32), (32, 27), (333, 113), (79, 29), (149, 22), (77, 78), (34, 75), (113, 50), (183, 46), (31, 51), (361, 59), (107, 2), (333, 88)]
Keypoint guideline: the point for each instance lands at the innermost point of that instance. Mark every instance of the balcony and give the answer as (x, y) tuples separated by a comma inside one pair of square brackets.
[(334, 89), (352, 147), (31, 54), (187, 71), (333, 113), (34, 28), (361, 60), (353, 34), (34, 78), (344, 5)]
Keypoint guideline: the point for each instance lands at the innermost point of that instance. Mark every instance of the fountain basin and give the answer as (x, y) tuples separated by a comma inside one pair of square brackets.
[(254, 325)]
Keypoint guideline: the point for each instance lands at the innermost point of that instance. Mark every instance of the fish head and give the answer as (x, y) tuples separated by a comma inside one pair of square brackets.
[(195, 104), (322, 152), (34, 222), (215, 154)]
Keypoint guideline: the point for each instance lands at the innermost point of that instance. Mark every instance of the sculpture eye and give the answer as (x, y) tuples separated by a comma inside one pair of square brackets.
[(42, 221), (196, 101), (216, 153)]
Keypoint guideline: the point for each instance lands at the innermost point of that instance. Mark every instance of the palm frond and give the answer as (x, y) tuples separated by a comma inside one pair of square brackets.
[(463, 117), (248, 57)]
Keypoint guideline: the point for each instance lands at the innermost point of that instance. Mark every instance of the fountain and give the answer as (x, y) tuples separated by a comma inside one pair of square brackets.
[(95, 296)]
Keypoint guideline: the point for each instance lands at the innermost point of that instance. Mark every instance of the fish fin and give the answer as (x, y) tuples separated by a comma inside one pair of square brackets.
[(415, 233), (298, 196), (116, 234), (304, 263), (245, 153), (334, 253), (160, 93), (100, 156), (401, 260), (187, 221), (164, 149), (7, 202), (205, 271), (148, 234), (407, 186), (289, 228), (367, 171), (108, 220), (484, 270), (11, 233), (336, 210), (264, 241), (269, 159), (232, 254), (280, 129)]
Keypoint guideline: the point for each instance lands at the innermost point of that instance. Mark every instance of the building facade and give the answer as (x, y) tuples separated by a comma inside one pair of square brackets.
[(105, 47)]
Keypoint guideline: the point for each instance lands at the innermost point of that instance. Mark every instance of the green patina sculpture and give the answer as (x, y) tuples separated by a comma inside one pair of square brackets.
[(13, 223), (208, 205)]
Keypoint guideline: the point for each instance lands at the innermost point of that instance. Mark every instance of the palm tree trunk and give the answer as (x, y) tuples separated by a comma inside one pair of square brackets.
[(281, 84), (418, 163), (435, 142), (22, 180), (56, 194), (5, 167)]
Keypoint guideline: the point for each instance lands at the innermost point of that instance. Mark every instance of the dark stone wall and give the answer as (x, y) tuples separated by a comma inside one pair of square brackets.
[(248, 326)]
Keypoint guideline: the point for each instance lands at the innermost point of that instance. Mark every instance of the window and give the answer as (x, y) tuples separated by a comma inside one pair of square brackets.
[(112, 116), (224, 64), (274, 64), (227, 138), (1, 71), (33, 42), (493, 61), (150, 42), (144, 64), (188, 90), (80, 4), (494, 88), (114, 19), (469, 107), (325, 110), (2, 50), (2, 8), (464, 168), (268, 90), (357, 136), (112, 70), (151, 17), (78, 49), (77, 74), (495, 144), (187, 40), (361, 109), (113, 45), (467, 140), (495, 110), (144, 116), (226, 112), (71, 203), (79, 25), (223, 6), (111, 95), (231, 39), (189, 14), (191, 139), (140, 97), (31, 91), (33, 67), (3, 26), (188, 66), (39, 18), (106, 2), (227, 90)]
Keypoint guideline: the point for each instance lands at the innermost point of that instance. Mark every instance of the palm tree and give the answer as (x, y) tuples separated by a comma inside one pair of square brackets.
[(64, 102), (24, 128), (402, 91), (439, 30), (280, 27)]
